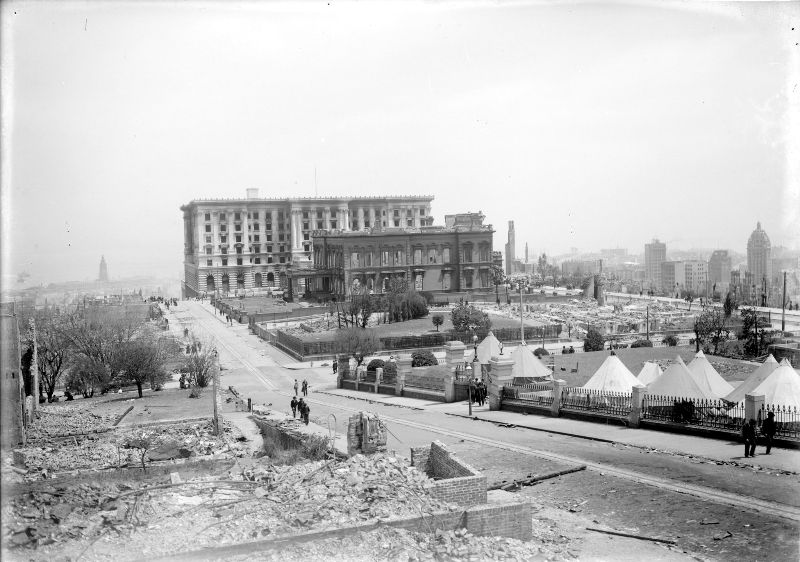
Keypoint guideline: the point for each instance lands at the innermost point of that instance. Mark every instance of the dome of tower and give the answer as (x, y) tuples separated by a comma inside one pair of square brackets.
[(759, 238)]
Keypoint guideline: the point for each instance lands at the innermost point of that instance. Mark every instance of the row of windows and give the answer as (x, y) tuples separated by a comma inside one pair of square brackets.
[(433, 256), (256, 260), (256, 249), (223, 238), (237, 216), (253, 227)]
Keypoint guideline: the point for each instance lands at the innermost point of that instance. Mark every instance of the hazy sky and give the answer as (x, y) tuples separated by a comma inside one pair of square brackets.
[(590, 125)]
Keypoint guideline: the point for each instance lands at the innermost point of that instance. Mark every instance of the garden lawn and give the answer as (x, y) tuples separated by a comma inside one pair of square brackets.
[(416, 327)]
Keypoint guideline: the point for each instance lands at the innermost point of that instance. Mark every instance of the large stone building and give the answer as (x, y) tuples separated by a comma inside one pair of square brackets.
[(430, 258), (232, 245), (677, 277), (759, 264), (655, 253), (719, 270)]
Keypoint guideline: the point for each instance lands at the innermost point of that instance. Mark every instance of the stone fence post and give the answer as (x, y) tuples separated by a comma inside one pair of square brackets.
[(454, 353), (558, 392), (753, 403), (378, 378), (449, 387), (501, 376), (638, 395), (403, 369)]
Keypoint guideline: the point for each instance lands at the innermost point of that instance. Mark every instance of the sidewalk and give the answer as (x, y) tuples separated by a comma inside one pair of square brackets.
[(701, 447)]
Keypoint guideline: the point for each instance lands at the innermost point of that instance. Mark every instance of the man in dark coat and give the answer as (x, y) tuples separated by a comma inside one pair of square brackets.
[(294, 406), (749, 436), (768, 429), (304, 411)]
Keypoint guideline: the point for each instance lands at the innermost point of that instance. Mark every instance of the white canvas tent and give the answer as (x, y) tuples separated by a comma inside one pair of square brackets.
[(677, 382), (612, 376), (707, 377), (650, 372), (526, 364), (781, 387), (488, 348), (756, 378)]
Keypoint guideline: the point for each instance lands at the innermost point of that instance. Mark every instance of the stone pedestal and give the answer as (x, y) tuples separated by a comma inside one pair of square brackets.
[(403, 369), (753, 404), (638, 395), (454, 352), (501, 376), (558, 390)]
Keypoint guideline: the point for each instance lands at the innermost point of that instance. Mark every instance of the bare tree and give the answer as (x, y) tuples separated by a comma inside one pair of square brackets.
[(357, 342), (142, 358), (199, 366), (53, 352)]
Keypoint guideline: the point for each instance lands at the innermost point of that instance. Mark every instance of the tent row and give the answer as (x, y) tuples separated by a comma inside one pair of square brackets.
[(779, 383)]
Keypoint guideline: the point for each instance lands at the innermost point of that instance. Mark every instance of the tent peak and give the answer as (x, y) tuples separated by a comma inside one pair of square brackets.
[(700, 354)]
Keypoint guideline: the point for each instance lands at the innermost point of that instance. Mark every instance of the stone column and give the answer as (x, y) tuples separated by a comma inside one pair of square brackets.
[(449, 388), (361, 218), (372, 219), (558, 391), (753, 403), (403, 369), (327, 218), (638, 395), (454, 353), (501, 376), (295, 228), (378, 378), (344, 218)]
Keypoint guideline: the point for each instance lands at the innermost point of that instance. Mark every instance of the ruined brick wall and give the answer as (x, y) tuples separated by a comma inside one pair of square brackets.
[(457, 482), (365, 434)]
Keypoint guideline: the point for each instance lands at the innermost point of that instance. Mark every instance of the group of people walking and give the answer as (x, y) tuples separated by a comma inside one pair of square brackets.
[(301, 407), (478, 392), (302, 388), (750, 437)]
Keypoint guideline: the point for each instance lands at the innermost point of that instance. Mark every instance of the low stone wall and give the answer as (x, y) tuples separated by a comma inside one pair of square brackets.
[(504, 519), (457, 482)]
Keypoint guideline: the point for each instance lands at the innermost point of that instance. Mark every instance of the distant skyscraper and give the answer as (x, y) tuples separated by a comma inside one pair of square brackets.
[(655, 254), (103, 277), (526, 252), (510, 249), (759, 264), (719, 269)]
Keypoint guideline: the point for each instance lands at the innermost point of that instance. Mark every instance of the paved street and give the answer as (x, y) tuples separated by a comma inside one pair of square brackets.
[(649, 473)]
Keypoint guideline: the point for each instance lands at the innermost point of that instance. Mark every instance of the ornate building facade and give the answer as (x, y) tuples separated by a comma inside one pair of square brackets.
[(430, 258), (233, 245)]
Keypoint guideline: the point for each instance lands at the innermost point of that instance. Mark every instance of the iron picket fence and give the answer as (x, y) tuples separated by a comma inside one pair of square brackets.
[(715, 414), (540, 394), (590, 400), (787, 420)]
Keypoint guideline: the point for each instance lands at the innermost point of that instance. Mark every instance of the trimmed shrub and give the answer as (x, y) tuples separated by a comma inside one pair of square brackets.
[(642, 343), (374, 364), (390, 369), (594, 341), (670, 340), (540, 351), (423, 359)]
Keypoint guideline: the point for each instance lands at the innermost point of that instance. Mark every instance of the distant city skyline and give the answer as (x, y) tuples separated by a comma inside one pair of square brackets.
[(589, 125)]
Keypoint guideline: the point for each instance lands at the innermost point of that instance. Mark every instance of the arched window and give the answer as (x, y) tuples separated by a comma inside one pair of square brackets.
[(271, 279), (210, 284), (240, 280), (226, 284), (257, 280)]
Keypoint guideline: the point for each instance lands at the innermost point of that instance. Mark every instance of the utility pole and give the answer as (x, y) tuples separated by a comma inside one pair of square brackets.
[(214, 389), (783, 305), (647, 322), (521, 323)]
